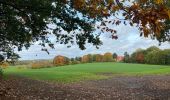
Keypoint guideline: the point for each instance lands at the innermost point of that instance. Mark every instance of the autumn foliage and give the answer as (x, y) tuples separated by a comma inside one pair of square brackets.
[(85, 59), (107, 57), (41, 64), (99, 58), (59, 60), (150, 16), (140, 57), (4, 65)]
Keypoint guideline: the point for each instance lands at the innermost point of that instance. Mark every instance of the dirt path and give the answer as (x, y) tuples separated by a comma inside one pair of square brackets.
[(116, 88)]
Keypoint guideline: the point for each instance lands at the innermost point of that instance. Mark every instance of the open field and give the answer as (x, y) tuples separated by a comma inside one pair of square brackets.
[(90, 71), (92, 81)]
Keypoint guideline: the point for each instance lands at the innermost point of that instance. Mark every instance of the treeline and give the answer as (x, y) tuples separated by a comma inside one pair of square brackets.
[(107, 57), (62, 60), (151, 55)]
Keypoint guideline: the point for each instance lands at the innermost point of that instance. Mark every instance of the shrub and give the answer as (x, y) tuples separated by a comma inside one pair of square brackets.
[(22, 66), (75, 62), (4, 65), (41, 64)]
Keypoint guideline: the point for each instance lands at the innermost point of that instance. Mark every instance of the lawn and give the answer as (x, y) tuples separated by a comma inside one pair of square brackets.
[(89, 71)]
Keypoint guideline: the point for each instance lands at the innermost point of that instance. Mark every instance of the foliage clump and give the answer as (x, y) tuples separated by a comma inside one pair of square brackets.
[(151, 55), (41, 64)]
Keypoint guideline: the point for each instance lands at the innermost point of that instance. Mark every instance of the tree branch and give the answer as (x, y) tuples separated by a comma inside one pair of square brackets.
[(8, 4), (120, 5)]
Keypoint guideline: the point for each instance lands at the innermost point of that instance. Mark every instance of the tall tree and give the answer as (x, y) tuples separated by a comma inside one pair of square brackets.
[(114, 55), (26, 21), (90, 57), (126, 57), (107, 57), (99, 58), (85, 59)]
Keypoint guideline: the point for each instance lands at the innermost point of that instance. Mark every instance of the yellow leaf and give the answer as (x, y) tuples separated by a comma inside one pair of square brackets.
[(159, 1), (168, 12)]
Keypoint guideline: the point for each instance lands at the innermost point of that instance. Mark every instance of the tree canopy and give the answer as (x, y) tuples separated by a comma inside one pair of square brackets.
[(24, 22)]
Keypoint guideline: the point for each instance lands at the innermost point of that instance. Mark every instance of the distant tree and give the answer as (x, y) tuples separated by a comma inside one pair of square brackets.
[(67, 60), (72, 59), (94, 57), (167, 56), (59, 60), (90, 57), (152, 48), (107, 57), (140, 57), (114, 55), (152, 55), (78, 58), (85, 59), (99, 58), (126, 57)]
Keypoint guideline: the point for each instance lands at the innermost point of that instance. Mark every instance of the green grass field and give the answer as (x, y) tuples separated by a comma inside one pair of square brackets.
[(90, 71)]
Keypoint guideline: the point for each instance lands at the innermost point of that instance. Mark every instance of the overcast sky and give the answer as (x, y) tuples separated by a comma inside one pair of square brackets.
[(129, 40)]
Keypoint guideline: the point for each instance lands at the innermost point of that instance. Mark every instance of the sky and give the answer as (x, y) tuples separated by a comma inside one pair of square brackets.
[(128, 40)]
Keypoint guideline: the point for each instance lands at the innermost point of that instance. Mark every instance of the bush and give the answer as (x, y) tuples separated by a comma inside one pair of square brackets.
[(22, 66), (75, 62), (4, 65), (41, 64)]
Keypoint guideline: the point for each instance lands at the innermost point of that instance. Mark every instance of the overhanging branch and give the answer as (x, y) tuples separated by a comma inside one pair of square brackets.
[(121, 6)]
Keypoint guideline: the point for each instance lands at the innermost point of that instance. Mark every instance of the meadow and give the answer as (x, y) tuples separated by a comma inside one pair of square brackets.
[(88, 71)]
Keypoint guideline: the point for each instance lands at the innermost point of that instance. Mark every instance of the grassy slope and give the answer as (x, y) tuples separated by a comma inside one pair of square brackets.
[(88, 71)]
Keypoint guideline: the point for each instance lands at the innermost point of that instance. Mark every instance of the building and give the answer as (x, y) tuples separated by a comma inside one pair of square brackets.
[(119, 58)]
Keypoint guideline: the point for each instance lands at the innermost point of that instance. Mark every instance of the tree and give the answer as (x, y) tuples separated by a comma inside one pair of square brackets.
[(1, 58), (94, 57), (140, 57), (13, 58), (107, 57), (90, 57), (114, 55), (126, 57), (85, 59), (167, 56), (78, 58), (26, 21), (150, 16), (152, 55), (59, 60), (152, 48), (72, 59), (67, 60), (99, 58)]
